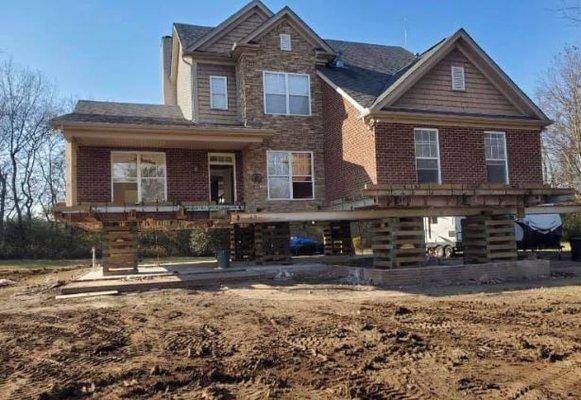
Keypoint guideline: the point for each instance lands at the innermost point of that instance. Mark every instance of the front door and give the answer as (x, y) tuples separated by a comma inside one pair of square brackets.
[(222, 178)]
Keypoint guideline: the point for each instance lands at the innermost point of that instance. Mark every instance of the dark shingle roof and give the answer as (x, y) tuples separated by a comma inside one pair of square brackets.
[(124, 113), (190, 34), (371, 68)]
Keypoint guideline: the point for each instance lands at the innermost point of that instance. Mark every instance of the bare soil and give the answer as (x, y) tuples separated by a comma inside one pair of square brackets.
[(292, 341)]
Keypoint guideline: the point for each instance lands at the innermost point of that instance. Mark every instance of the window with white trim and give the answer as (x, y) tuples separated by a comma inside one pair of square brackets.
[(286, 93), (290, 175), (138, 177), (285, 42), (427, 155), (219, 92), (458, 81), (496, 159)]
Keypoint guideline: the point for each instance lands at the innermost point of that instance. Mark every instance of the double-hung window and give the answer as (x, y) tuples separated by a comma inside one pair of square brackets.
[(286, 93), (290, 175), (427, 155), (138, 177), (219, 92), (496, 160)]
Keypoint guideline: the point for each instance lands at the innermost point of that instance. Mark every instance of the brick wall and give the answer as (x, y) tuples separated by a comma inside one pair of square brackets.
[(350, 160), (291, 132), (461, 154), (187, 174)]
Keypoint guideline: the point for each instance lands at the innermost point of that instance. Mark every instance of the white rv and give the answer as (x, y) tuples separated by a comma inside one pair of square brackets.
[(443, 235)]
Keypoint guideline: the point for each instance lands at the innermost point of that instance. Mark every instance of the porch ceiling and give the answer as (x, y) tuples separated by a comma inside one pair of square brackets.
[(222, 138)]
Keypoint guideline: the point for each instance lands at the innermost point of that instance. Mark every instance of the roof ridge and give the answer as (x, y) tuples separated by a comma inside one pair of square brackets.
[(367, 43), (196, 25)]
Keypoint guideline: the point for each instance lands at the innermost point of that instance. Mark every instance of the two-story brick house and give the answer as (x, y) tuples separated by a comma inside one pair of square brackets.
[(261, 113)]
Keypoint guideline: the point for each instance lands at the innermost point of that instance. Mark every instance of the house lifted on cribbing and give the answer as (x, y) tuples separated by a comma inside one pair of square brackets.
[(264, 124)]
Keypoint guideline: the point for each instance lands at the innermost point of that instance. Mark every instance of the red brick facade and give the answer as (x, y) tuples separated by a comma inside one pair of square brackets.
[(356, 154), (187, 174), (462, 158), (350, 160)]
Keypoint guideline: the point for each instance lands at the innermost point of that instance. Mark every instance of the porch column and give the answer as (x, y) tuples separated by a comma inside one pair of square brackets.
[(488, 238), (337, 238), (399, 243), (120, 255)]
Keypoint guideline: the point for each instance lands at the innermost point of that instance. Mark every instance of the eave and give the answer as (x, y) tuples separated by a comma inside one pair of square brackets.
[(449, 119), (163, 136)]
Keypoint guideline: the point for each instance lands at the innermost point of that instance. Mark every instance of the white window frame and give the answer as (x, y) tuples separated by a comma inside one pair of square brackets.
[(225, 79), (232, 163), (139, 154), (287, 92), (290, 176), (486, 159), (282, 37), (463, 72), (429, 158)]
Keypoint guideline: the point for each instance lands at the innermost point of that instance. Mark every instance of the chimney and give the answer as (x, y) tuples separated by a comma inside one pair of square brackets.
[(168, 89)]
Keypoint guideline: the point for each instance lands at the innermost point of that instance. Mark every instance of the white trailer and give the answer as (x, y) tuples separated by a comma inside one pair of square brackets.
[(443, 235)]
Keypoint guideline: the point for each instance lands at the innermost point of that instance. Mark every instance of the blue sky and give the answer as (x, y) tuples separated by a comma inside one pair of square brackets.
[(109, 49)]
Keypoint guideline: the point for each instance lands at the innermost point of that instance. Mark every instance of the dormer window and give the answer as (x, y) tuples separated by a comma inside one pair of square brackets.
[(285, 42), (458, 78)]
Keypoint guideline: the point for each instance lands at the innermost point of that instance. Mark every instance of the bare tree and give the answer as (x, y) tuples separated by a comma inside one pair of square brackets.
[(27, 102), (560, 96)]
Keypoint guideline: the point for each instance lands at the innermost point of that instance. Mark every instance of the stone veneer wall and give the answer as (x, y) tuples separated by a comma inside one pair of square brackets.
[(291, 132)]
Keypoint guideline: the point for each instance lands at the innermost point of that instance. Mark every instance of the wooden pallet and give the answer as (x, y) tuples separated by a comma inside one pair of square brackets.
[(120, 254), (488, 238), (271, 242), (337, 238), (398, 243)]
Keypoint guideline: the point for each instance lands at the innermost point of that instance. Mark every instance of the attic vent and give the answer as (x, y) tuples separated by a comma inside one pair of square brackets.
[(285, 42), (339, 61), (458, 77)]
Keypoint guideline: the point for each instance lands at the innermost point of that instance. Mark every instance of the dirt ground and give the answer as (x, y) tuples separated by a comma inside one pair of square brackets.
[(292, 341)]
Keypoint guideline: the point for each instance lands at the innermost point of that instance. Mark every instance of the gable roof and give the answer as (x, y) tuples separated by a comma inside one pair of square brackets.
[(363, 83), (223, 27), (286, 12)]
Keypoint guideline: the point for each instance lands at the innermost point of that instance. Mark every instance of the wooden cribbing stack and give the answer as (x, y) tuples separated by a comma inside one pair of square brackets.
[(120, 255), (488, 238), (399, 243), (271, 242), (242, 243), (337, 238)]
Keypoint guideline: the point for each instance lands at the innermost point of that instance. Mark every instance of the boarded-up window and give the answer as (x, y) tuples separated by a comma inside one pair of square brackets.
[(458, 78), (290, 175), (427, 155), (496, 160)]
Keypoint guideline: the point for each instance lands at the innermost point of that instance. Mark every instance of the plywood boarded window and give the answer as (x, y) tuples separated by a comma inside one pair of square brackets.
[(290, 175), (427, 155), (458, 82), (496, 159)]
